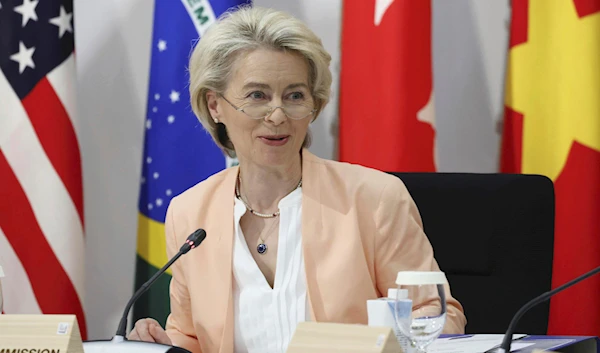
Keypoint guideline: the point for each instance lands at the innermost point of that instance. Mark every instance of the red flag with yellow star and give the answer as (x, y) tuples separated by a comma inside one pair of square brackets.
[(552, 127)]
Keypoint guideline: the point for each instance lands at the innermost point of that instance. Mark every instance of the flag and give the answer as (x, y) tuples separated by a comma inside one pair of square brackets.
[(178, 152), (386, 113), (41, 190), (1, 299), (552, 127)]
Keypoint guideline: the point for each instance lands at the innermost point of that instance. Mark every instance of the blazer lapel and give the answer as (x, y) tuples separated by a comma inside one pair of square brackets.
[(224, 258), (312, 223)]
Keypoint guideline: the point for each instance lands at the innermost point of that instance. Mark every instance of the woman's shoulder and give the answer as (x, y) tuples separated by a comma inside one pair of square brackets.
[(360, 175), (369, 182)]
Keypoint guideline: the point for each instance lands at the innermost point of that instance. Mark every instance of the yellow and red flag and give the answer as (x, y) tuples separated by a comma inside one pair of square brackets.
[(552, 127)]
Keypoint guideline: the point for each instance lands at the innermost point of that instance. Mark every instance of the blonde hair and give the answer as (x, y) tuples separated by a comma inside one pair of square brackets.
[(242, 30)]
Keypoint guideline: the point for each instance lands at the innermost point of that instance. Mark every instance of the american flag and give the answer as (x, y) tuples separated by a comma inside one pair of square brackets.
[(41, 193)]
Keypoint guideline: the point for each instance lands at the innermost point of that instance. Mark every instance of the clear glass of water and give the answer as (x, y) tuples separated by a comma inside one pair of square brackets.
[(424, 293)]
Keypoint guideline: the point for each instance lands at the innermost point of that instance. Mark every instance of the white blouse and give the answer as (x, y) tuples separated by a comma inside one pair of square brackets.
[(265, 318)]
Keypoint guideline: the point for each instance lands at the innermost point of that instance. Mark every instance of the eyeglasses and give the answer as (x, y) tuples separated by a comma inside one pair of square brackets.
[(261, 111)]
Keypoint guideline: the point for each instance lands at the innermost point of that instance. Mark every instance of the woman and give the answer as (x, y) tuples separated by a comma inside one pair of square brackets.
[(290, 236)]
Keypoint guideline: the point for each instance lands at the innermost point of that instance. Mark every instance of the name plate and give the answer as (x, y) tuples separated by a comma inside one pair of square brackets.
[(320, 337), (39, 334)]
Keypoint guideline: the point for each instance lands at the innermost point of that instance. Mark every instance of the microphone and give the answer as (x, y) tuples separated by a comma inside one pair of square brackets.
[(192, 241), (505, 347)]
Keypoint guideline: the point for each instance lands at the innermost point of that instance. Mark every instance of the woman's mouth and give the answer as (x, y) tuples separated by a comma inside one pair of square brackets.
[(275, 140)]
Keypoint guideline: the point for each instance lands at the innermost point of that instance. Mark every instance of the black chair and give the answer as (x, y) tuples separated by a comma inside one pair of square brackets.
[(493, 235)]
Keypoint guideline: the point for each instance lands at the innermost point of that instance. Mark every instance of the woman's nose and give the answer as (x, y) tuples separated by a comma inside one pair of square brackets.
[(277, 116)]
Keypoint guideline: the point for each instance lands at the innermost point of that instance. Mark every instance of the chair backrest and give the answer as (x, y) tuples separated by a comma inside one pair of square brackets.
[(493, 235)]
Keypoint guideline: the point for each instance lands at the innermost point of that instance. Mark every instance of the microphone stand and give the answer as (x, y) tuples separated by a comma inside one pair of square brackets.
[(119, 343), (505, 347)]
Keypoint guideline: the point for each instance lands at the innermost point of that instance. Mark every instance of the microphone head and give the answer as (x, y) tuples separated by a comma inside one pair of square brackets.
[(197, 237), (193, 240)]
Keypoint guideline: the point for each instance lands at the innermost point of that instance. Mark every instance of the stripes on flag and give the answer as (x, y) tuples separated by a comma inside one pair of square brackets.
[(20, 292), (33, 249), (57, 137), (42, 213)]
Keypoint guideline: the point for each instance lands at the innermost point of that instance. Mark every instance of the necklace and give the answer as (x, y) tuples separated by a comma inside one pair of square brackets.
[(263, 215), (262, 247)]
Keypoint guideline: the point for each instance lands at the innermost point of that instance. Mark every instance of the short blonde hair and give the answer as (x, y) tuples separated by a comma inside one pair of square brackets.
[(242, 30)]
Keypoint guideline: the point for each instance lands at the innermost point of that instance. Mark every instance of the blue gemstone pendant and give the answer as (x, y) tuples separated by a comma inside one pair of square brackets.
[(261, 248)]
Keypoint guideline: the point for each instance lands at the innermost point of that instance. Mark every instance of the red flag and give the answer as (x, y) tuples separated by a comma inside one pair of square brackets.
[(386, 92), (552, 127)]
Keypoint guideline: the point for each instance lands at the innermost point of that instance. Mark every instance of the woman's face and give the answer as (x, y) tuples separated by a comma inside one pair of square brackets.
[(264, 78)]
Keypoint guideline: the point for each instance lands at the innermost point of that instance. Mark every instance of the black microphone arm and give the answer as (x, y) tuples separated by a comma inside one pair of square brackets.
[(192, 241), (505, 347)]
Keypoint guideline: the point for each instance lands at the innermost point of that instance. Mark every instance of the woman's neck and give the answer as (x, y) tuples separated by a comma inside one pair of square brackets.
[(262, 188)]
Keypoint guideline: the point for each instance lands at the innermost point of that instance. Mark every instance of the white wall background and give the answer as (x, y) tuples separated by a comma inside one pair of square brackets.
[(113, 45)]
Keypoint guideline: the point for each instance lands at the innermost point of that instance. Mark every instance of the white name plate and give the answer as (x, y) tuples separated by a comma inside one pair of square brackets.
[(315, 337), (39, 334)]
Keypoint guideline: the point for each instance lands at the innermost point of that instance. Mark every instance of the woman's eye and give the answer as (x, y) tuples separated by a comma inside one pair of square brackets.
[(256, 95), (296, 96)]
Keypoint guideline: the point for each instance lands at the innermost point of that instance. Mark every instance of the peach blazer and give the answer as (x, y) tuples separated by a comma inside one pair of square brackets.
[(360, 227)]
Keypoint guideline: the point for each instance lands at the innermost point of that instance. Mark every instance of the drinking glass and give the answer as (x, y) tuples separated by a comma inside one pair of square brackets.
[(420, 309)]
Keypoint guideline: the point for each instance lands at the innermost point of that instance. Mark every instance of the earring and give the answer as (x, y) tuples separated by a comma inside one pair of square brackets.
[(216, 120)]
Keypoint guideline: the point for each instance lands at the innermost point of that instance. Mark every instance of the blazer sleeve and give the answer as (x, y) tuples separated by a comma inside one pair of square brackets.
[(179, 326), (401, 245)]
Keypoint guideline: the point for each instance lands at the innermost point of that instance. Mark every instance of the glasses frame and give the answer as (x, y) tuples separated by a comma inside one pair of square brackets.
[(271, 110)]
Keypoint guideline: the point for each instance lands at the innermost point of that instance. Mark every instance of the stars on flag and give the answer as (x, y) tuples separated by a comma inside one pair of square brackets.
[(33, 49), (63, 21), (24, 57), (167, 102), (152, 177), (174, 96), (27, 11), (162, 45)]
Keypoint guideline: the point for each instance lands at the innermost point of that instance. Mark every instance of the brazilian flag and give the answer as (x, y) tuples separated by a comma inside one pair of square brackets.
[(178, 153)]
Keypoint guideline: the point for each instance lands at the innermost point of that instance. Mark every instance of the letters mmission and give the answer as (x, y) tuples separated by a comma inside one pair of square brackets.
[(25, 350)]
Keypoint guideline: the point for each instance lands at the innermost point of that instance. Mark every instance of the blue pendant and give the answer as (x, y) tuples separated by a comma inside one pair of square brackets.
[(261, 248)]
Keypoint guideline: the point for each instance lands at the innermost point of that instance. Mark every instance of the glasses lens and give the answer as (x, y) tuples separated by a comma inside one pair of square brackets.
[(257, 111), (293, 111), (297, 111)]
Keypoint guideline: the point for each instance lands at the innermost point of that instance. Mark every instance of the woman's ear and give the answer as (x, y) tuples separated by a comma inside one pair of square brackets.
[(212, 103)]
